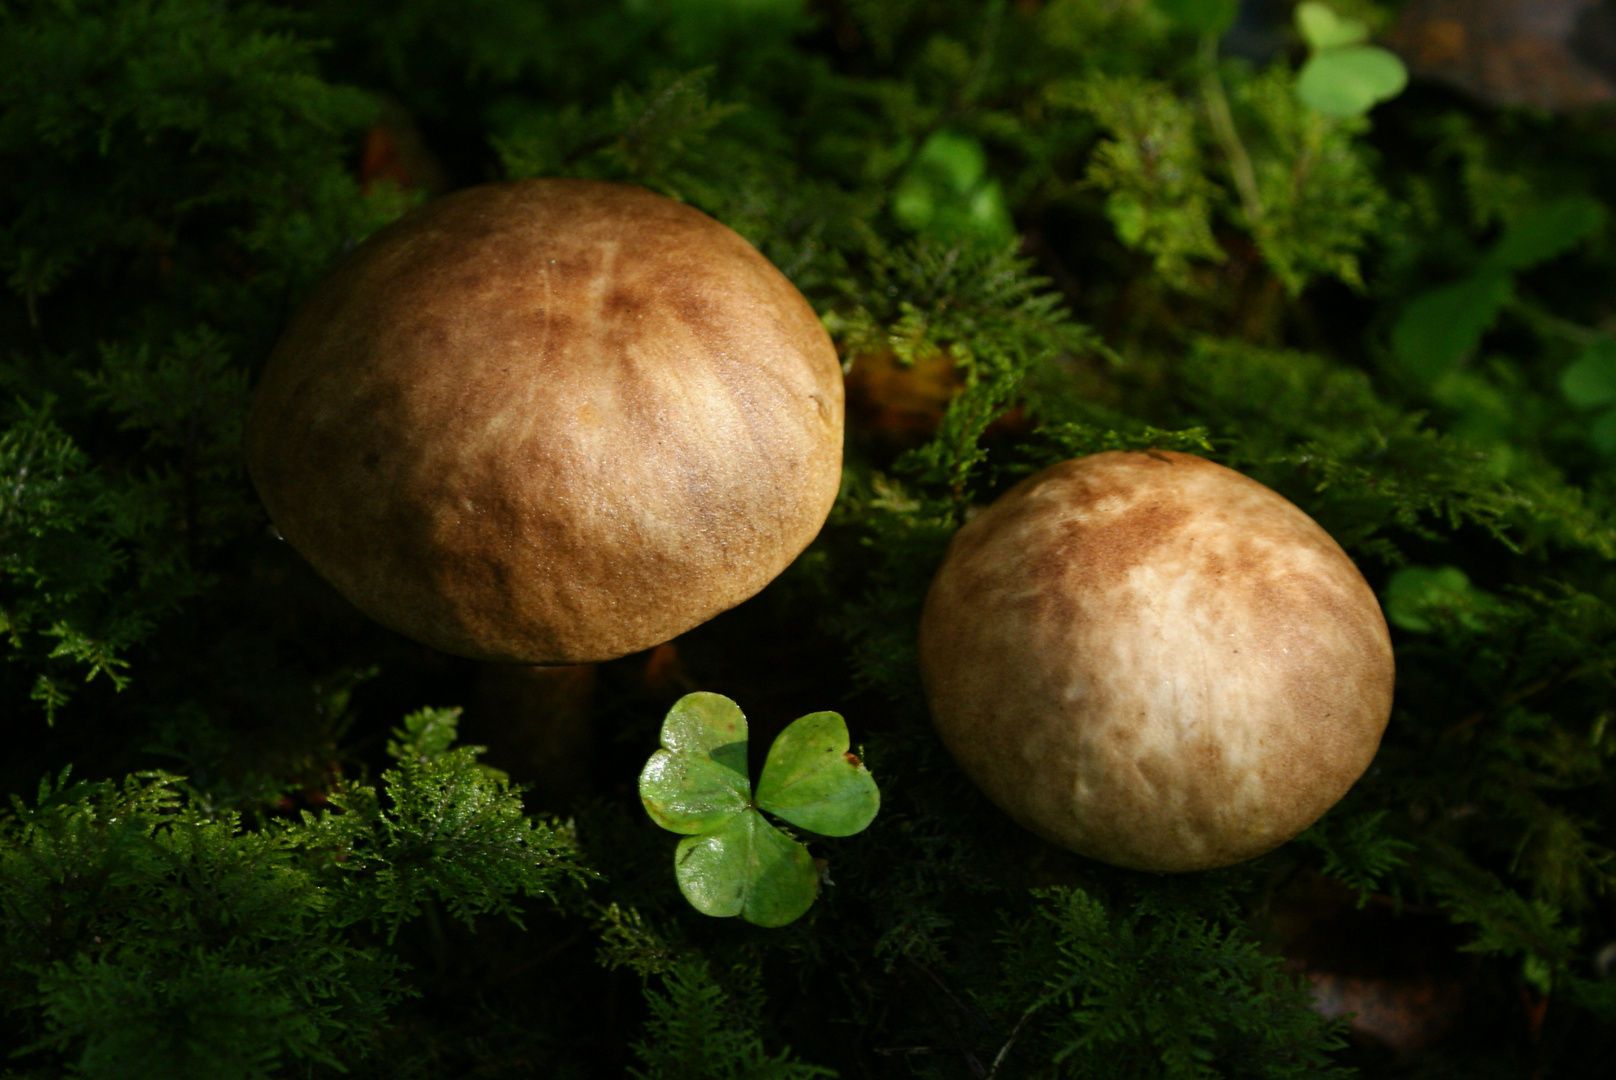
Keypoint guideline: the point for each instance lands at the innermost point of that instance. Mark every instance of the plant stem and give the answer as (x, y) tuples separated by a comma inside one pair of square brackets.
[(1550, 325), (1217, 107)]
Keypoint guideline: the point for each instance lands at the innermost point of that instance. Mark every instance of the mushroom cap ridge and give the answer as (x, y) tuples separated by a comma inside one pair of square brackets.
[(1156, 661), (549, 421)]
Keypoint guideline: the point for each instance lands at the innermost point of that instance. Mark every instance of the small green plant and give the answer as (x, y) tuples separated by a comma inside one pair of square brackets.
[(732, 861), (948, 194), (1423, 598), (145, 932), (1343, 77), (1590, 383), (1438, 330)]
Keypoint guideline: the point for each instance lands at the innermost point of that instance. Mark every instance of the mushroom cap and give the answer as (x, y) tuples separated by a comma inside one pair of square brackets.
[(1152, 660), (550, 421)]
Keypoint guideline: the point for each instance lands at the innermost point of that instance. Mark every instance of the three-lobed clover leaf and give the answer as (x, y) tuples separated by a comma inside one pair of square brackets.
[(732, 861)]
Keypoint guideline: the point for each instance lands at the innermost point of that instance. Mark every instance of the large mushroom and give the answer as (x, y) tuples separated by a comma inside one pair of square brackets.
[(1155, 661), (551, 421)]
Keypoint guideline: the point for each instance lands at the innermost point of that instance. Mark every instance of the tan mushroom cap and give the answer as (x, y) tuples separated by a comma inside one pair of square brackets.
[(551, 421), (1153, 660)]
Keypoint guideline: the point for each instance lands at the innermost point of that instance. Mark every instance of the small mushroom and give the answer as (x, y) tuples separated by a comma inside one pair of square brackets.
[(551, 421), (1155, 661)]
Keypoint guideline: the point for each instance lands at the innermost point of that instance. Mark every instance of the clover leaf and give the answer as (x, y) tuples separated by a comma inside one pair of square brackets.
[(1343, 77), (698, 781), (1322, 28), (749, 868), (811, 780), (1591, 383), (733, 861)]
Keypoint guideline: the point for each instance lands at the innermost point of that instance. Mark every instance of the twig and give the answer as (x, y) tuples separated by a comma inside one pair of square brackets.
[(998, 1059), (1004, 1051), (1546, 323), (1217, 107)]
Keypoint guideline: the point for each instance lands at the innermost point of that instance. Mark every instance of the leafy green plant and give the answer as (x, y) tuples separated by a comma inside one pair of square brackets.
[(699, 1030), (1441, 328), (1590, 383), (1132, 994), (1343, 76), (732, 860), (145, 934), (947, 193), (1419, 597), (1284, 138)]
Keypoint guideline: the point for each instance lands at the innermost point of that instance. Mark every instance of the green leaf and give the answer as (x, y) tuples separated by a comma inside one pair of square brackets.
[(1322, 28), (1201, 16), (955, 158), (1591, 380), (1418, 598), (1129, 216), (1440, 328), (703, 723), (698, 781), (426, 735), (748, 868), (947, 194), (811, 780), (1538, 972), (1350, 81), (1546, 232)]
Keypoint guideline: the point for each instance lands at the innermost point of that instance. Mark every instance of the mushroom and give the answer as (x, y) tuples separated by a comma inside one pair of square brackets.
[(1152, 660), (550, 421)]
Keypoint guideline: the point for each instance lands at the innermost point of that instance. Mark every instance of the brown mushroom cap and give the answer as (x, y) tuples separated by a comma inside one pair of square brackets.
[(1153, 660), (552, 421)]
